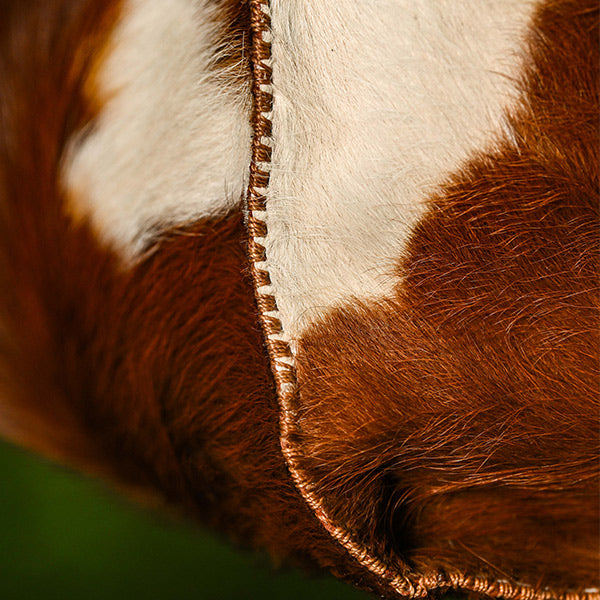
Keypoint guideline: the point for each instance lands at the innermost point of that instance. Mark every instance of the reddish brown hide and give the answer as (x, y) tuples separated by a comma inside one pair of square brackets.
[(155, 376), (462, 413), (452, 426)]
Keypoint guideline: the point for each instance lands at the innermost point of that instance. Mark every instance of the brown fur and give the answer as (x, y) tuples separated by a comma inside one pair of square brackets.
[(233, 42), (455, 424), (461, 432), (44, 60), (155, 376)]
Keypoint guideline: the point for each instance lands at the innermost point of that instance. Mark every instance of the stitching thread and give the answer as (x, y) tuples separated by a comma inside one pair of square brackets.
[(283, 361)]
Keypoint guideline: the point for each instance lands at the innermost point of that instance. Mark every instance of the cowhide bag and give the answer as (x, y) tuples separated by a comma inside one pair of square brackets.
[(321, 274)]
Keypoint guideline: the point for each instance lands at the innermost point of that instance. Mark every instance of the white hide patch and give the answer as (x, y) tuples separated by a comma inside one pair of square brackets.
[(375, 103), (172, 143)]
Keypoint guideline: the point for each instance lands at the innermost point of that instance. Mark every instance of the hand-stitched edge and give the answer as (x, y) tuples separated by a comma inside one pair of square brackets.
[(283, 360)]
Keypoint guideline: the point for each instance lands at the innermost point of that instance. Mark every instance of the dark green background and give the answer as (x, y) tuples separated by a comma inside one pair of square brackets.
[(65, 537)]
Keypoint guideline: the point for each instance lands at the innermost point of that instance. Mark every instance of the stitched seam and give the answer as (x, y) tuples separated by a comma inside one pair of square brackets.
[(283, 361)]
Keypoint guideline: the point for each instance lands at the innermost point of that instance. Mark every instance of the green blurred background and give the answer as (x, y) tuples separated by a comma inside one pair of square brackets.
[(66, 537)]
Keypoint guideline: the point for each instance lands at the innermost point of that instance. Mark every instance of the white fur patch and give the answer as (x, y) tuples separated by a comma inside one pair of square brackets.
[(172, 143), (374, 104)]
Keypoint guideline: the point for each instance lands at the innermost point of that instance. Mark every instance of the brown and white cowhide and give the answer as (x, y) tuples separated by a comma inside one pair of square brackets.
[(323, 275)]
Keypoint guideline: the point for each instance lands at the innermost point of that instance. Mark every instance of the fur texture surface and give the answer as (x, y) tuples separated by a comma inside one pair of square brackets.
[(171, 142), (374, 104), (454, 423), (448, 416), (152, 375)]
